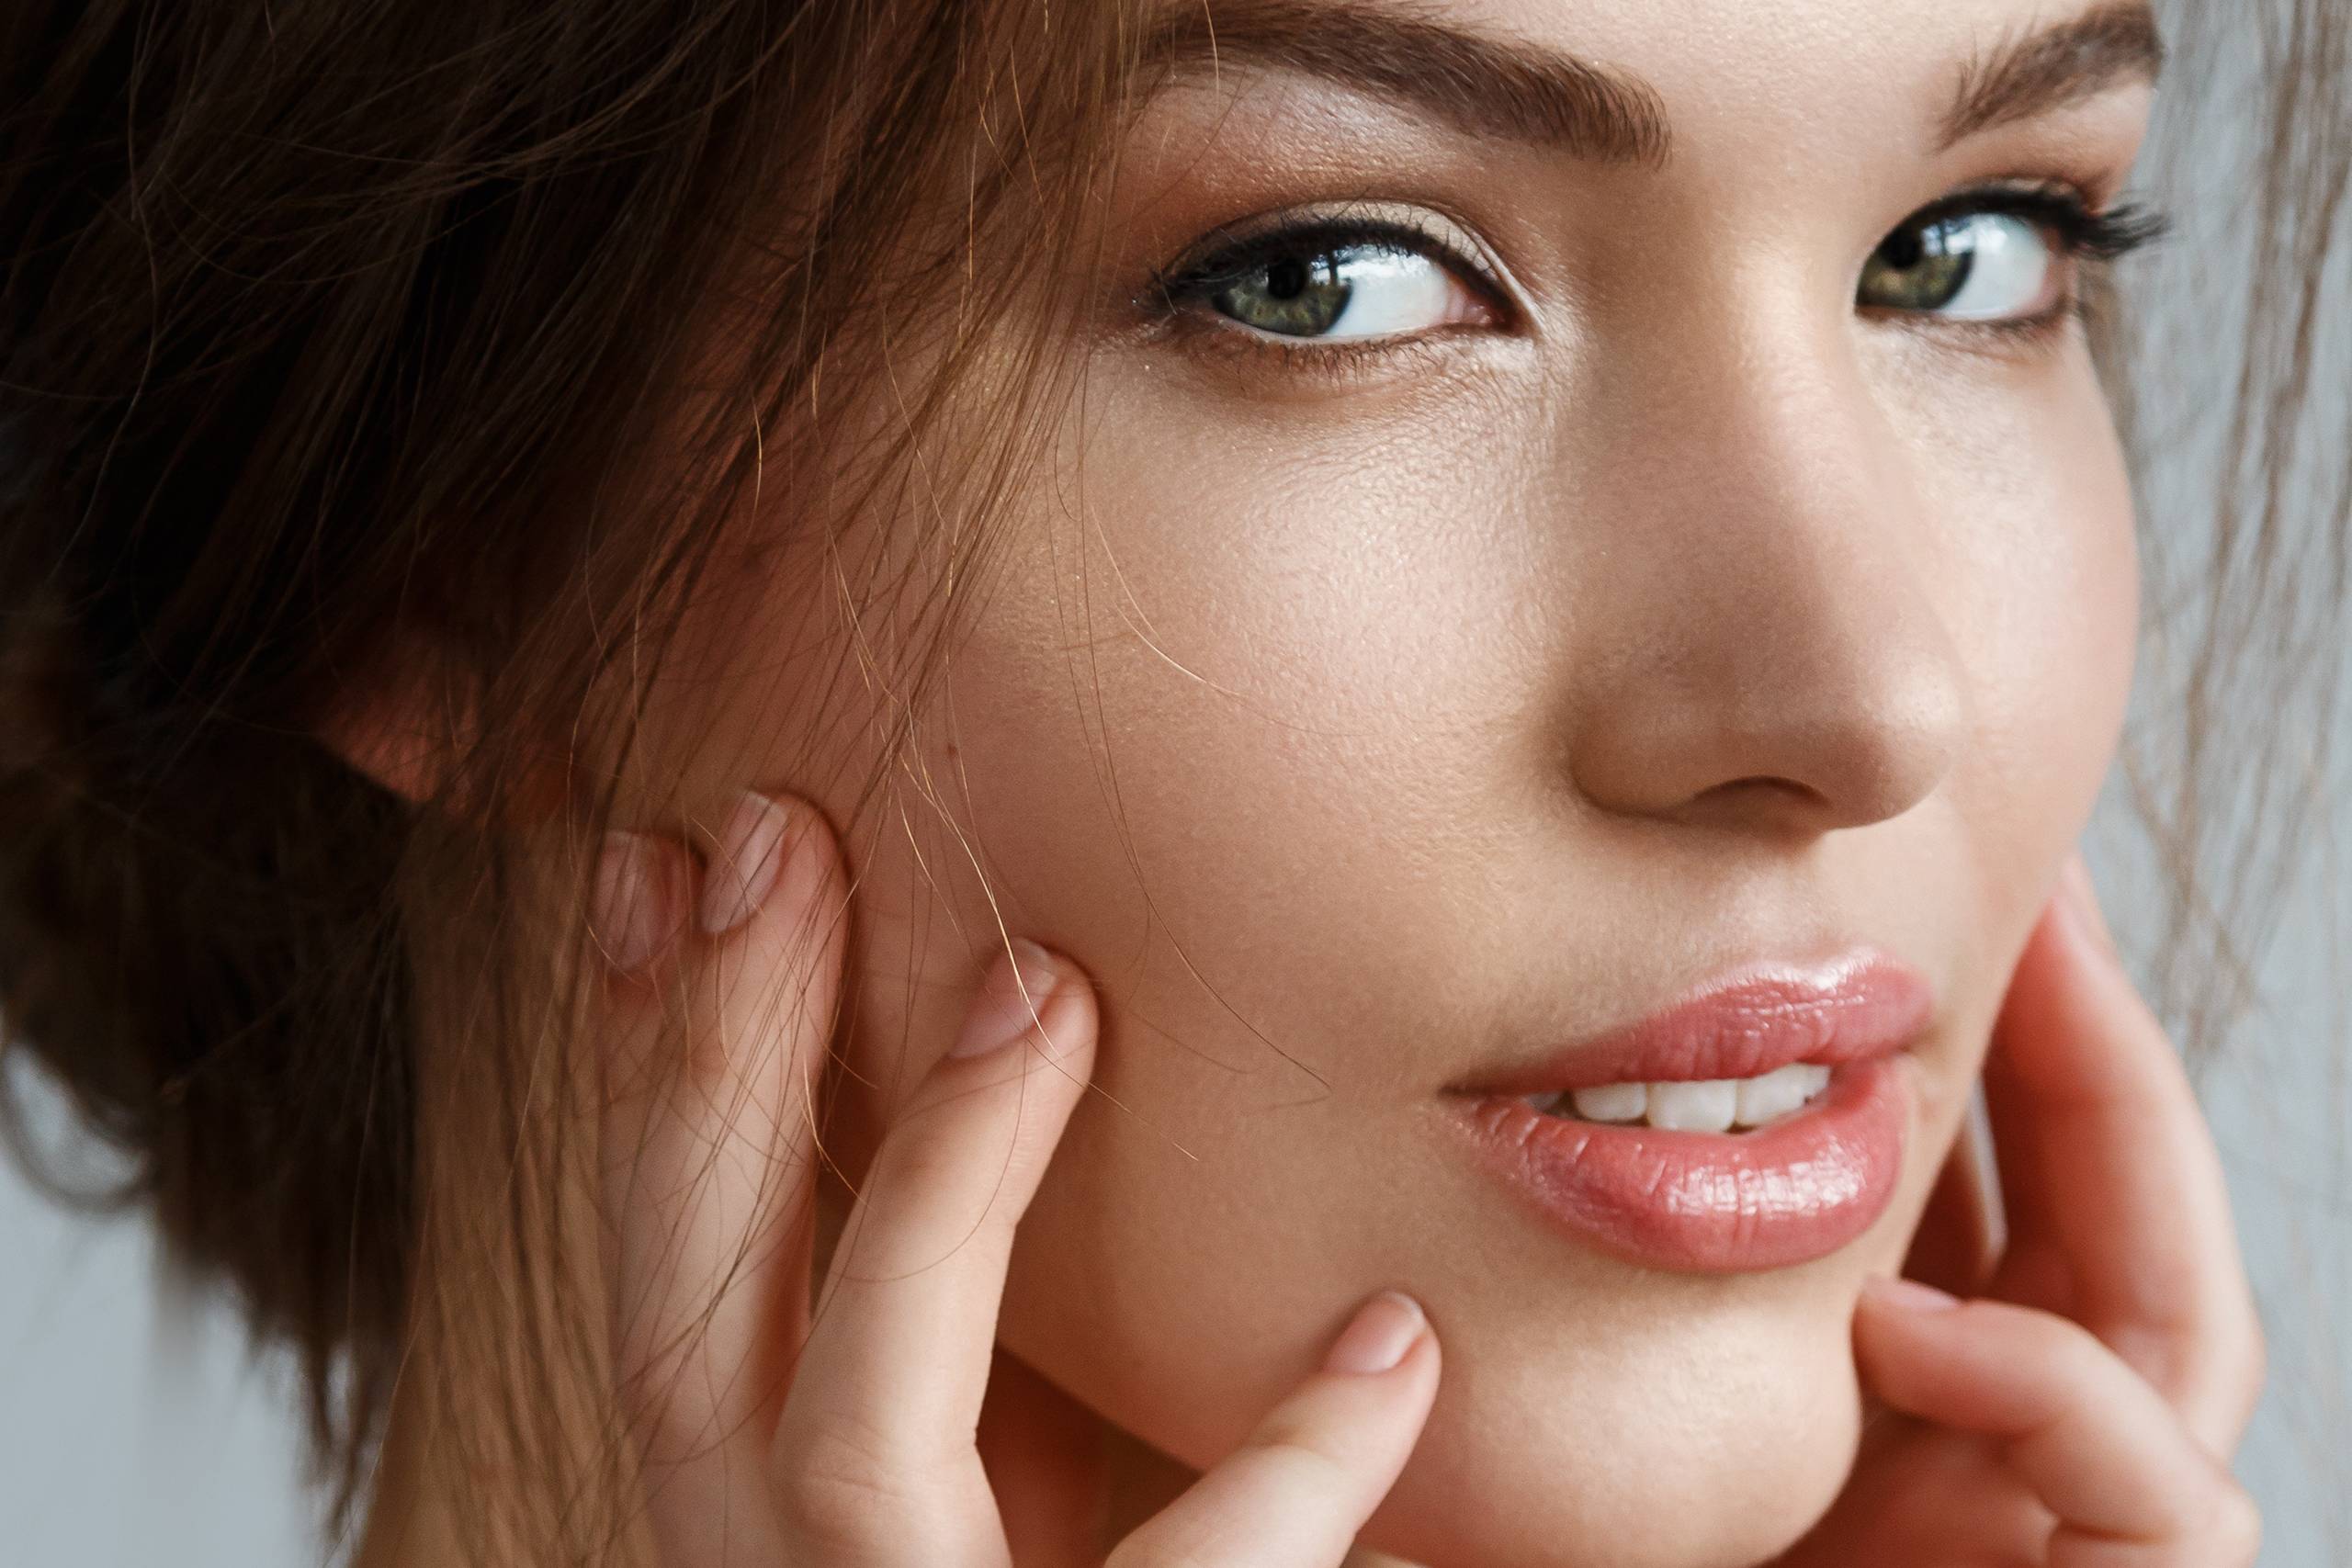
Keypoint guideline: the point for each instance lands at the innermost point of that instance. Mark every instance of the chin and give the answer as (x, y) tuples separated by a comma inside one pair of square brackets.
[(1713, 1441), (1605, 1418)]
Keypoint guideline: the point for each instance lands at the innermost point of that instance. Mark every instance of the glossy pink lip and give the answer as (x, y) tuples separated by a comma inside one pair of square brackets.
[(1788, 1192)]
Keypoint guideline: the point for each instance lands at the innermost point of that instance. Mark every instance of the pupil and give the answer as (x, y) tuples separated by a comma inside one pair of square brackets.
[(1286, 279), (1905, 250)]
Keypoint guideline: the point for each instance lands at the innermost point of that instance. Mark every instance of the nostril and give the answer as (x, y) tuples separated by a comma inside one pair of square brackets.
[(1762, 786), (1762, 798)]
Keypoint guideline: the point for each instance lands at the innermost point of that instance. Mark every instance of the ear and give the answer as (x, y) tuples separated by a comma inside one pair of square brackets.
[(405, 720)]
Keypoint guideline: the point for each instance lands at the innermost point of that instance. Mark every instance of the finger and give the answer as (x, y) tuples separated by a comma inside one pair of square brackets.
[(715, 1041), (1296, 1491), (2130, 1486), (2110, 1175), (874, 1459)]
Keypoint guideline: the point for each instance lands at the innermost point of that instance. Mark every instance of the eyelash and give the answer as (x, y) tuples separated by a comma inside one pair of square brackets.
[(2084, 237)]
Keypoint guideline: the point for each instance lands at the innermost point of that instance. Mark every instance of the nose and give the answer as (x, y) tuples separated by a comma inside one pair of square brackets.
[(1758, 641)]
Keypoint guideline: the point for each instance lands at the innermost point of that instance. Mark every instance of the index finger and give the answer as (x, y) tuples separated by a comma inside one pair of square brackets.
[(719, 1040), (2113, 1187)]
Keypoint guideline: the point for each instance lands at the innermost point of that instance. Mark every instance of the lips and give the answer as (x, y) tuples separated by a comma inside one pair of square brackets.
[(1794, 1191)]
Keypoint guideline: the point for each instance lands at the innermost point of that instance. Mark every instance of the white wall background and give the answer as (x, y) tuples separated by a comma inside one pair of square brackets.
[(135, 1432)]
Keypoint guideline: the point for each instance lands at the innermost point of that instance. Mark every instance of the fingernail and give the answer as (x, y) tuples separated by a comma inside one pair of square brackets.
[(2084, 899), (1002, 1013), (1384, 1329), (637, 902), (1911, 1295), (743, 868)]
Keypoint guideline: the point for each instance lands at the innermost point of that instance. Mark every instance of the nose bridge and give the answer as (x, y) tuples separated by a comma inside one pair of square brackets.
[(1761, 636)]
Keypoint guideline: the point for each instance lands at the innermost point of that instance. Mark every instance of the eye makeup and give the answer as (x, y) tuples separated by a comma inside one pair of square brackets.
[(1304, 256)]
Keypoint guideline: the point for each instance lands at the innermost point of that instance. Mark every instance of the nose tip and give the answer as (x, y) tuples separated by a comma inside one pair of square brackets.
[(1832, 708)]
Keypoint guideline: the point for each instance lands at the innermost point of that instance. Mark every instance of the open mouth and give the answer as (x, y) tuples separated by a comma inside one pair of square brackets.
[(1710, 1105), (1758, 1124), (1798, 1186)]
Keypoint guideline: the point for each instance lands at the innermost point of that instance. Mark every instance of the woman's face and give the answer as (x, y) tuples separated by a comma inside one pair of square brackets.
[(1533, 588)]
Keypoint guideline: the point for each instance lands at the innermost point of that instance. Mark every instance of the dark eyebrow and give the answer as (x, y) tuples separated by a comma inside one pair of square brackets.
[(2038, 71), (1525, 92), (1485, 84)]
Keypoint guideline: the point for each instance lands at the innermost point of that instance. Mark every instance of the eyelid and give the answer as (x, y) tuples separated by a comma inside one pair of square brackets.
[(1218, 255)]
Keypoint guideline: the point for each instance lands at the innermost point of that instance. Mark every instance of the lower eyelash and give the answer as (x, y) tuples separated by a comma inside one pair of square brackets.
[(1336, 362)]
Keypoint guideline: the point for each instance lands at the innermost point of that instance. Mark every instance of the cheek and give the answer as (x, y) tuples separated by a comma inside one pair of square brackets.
[(2041, 576), (2050, 598), (1216, 739), (2044, 591)]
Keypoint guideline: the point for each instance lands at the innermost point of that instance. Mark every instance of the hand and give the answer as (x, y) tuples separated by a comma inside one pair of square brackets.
[(2082, 1414), (775, 1437)]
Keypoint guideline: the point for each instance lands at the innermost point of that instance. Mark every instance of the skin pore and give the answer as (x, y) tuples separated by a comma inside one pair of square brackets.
[(1366, 715)]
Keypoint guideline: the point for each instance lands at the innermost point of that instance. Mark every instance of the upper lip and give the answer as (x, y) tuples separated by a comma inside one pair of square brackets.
[(1748, 1021)]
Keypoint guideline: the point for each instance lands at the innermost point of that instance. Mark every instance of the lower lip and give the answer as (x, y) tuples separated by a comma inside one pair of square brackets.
[(1711, 1202)]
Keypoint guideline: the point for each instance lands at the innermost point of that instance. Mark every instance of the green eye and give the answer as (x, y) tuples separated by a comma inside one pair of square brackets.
[(1297, 296), (1335, 291), (1970, 266)]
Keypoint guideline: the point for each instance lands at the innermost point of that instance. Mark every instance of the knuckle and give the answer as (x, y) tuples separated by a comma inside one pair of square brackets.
[(1300, 1453), (842, 1491), (2062, 1348), (915, 1159)]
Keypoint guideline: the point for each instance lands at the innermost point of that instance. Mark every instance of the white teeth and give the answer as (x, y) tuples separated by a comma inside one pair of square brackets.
[(1704, 1107), (1612, 1103), (1777, 1093), (1712, 1105)]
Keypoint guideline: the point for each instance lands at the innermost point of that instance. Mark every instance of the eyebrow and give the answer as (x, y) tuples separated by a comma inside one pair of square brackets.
[(2037, 72), (1486, 84), (1496, 87)]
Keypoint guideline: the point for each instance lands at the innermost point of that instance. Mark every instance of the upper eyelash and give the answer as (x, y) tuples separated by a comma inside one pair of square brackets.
[(1237, 258), (2107, 233)]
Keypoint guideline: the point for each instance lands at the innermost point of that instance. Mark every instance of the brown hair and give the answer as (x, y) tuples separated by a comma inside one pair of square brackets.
[(327, 323), (323, 323)]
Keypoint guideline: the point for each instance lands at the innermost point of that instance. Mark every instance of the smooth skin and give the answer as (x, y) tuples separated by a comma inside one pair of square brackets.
[(2079, 1414)]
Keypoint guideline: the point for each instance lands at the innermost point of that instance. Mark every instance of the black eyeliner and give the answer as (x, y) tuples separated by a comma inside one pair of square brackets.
[(1238, 259), (2107, 234)]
